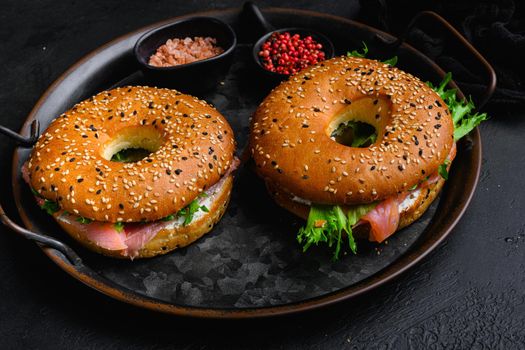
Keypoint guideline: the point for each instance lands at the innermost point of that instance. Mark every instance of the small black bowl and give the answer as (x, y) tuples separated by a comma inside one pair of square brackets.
[(328, 47), (192, 77)]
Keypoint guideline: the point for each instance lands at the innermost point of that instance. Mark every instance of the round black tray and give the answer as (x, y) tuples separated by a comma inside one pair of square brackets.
[(250, 265)]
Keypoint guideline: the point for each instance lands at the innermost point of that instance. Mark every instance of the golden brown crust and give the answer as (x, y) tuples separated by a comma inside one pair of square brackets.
[(290, 139), (68, 163), (425, 197), (166, 240)]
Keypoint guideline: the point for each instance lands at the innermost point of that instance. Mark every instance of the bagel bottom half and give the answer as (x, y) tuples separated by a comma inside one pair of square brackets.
[(420, 201), (166, 239)]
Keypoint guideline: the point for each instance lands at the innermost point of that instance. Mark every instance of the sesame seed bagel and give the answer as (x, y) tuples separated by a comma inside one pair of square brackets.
[(192, 147), (291, 130)]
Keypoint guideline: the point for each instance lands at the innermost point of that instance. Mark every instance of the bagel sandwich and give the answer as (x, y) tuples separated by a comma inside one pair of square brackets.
[(134, 172), (357, 148)]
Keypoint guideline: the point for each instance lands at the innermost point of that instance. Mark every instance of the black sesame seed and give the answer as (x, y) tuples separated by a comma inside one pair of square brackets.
[(174, 146), (305, 177), (348, 102), (168, 171), (400, 167), (210, 165), (184, 158), (375, 102), (315, 109), (430, 107), (205, 133), (274, 120), (416, 141), (110, 117), (149, 160), (84, 136), (122, 114), (72, 159), (377, 116), (279, 170), (438, 117), (210, 150), (219, 137), (373, 167), (305, 126), (437, 126), (438, 103), (80, 180), (274, 163), (121, 206), (98, 192), (57, 169), (420, 152), (150, 105), (178, 171)]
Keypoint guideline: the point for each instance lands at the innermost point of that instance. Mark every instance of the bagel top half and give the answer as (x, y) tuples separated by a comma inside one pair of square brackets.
[(192, 147), (290, 133)]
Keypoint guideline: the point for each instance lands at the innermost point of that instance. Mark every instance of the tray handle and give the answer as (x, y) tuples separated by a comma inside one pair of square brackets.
[(491, 75), (28, 142), (40, 238), (23, 141)]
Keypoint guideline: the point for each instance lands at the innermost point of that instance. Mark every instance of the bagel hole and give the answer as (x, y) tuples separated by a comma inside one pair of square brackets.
[(132, 145), (354, 133), (357, 124)]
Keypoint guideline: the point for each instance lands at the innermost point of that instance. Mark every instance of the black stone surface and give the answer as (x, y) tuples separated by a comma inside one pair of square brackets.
[(468, 293)]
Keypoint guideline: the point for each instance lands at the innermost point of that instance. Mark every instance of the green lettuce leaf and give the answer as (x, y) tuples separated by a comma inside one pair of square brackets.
[(356, 53), (119, 226), (391, 61), (328, 223), (50, 207), (461, 110), (84, 220), (362, 134), (189, 211)]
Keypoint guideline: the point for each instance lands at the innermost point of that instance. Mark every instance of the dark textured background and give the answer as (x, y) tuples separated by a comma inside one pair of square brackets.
[(468, 293)]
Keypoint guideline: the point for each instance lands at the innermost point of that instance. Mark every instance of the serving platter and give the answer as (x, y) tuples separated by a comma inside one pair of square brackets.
[(250, 265)]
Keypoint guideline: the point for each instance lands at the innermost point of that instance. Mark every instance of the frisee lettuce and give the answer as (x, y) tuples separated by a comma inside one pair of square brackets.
[(327, 223), (461, 110), (354, 53)]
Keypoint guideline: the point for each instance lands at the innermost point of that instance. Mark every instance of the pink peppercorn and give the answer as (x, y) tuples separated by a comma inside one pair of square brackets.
[(287, 54)]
